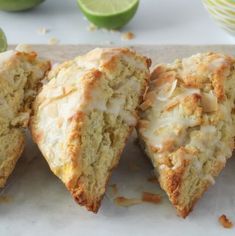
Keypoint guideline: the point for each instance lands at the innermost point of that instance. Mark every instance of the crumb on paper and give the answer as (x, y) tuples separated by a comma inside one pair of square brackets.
[(114, 31), (114, 189), (126, 202), (153, 180), (42, 30), (128, 36), (225, 222), (5, 199), (53, 41), (151, 197), (91, 27), (133, 166)]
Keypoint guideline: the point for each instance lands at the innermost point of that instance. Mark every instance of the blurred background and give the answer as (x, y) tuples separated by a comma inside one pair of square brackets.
[(155, 22)]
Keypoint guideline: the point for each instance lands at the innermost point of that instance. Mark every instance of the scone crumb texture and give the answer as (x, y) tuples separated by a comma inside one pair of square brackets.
[(225, 222), (126, 202), (151, 197), (128, 36)]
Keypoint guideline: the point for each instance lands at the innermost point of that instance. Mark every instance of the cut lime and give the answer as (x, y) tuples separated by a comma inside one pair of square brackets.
[(110, 14), (18, 5), (3, 41)]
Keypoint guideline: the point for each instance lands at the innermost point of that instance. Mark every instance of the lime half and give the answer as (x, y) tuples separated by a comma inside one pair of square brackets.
[(110, 14), (18, 5), (3, 41)]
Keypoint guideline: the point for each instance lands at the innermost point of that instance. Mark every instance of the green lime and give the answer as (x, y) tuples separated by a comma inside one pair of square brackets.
[(18, 5), (110, 14), (3, 41)]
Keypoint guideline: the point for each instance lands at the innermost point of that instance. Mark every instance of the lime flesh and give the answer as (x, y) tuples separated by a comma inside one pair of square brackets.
[(18, 5), (3, 41), (111, 14)]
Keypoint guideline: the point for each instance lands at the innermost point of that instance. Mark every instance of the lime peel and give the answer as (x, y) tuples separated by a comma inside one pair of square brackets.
[(110, 14), (85, 4), (3, 41)]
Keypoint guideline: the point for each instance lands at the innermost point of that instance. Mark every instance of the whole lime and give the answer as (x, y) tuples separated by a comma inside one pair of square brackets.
[(18, 5), (110, 14), (3, 41)]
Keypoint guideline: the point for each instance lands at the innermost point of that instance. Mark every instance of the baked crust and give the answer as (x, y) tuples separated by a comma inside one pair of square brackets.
[(187, 124), (76, 118), (12, 153), (21, 73)]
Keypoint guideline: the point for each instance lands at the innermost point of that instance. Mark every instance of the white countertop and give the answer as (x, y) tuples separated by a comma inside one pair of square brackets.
[(156, 22)]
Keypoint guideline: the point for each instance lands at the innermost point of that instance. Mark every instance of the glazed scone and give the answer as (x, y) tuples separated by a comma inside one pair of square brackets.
[(84, 115), (187, 124), (20, 76)]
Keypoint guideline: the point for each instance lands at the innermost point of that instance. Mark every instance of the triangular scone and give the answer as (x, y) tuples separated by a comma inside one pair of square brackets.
[(20, 76), (84, 115), (187, 124)]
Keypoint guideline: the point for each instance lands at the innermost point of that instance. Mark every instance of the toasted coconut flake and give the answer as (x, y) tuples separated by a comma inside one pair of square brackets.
[(160, 68), (145, 92), (55, 65), (145, 105), (153, 180), (126, 202), (168, 77), (128, 36), (225, 222), (151, 197), (166, 91), (149, 100), (209, 102)]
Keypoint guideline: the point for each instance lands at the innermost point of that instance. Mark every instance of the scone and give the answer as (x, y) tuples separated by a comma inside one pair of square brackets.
[(20, 76), (187, 124), (84, 115)]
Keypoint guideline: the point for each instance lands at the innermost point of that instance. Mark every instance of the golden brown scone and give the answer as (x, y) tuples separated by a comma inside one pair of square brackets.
[(20, 76), (187, 124), (84, 115)]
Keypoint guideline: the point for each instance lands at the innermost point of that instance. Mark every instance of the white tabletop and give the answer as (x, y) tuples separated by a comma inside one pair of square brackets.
[(156, 22)]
